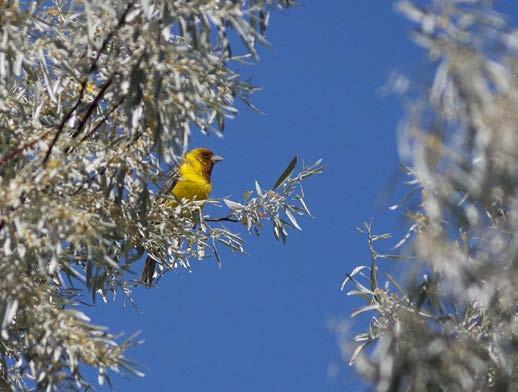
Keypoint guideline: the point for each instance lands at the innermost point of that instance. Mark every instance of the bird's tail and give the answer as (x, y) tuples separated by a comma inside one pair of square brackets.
[(148, 272)]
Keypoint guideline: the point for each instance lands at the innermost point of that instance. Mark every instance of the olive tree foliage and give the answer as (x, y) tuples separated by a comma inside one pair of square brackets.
[(98, 99), (451, 322)]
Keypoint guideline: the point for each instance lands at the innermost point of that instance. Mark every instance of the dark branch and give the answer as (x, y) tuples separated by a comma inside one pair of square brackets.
[(223, 219), (17, 150), (91, 108), (67, 117), (104, 119)]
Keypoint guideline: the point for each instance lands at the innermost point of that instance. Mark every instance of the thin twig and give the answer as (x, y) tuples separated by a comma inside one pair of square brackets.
[(374, 256), (92, 107), (65, 119), (104, 119), (223, 219)]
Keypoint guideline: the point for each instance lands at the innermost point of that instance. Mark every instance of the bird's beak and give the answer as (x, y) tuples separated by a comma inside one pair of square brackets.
[(216, 158)]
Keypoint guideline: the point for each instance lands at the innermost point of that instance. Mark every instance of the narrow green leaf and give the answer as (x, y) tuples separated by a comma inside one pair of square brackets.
[(362, 337), (350, 276), (233, 205), (246, 195), (364, 309), (216, 254), (357, 351), (398, 286), (258, 189), (292, 218), (286, 173)]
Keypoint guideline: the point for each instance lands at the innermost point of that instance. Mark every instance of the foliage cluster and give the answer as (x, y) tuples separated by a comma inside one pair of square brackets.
[(454, 325), (98, 99)]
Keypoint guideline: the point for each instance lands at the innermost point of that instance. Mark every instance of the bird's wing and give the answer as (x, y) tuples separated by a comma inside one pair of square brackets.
[(170, 182)]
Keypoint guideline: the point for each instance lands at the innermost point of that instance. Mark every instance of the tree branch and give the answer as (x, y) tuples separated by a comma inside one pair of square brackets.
[(17, 150), (223, 219)]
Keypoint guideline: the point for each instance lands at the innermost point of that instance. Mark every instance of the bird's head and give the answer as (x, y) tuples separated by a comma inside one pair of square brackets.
[(203, 156), (202, 159)]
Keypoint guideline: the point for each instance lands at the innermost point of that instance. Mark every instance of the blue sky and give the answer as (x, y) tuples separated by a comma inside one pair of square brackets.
[(261, 322)]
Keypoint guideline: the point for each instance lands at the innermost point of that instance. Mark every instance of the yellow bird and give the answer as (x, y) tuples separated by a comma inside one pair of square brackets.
[(190, 180)]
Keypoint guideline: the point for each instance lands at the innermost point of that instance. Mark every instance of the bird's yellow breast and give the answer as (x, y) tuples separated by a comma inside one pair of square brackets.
[(192, 188)]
